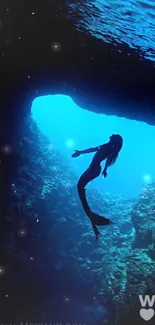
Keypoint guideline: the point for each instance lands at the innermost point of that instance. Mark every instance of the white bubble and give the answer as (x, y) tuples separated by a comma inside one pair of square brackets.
[(56, 47), (67, 299), (6, 149), (22, 232), (2, 270)]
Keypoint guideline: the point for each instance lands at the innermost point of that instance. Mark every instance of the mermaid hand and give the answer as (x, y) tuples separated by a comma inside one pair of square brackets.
[(76, 153), (104, 173)]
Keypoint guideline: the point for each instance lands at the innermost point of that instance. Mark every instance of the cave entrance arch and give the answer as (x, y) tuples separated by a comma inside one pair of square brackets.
[(69, 127)]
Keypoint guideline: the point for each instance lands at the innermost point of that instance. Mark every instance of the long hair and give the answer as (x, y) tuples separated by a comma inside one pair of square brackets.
[(117, 142)]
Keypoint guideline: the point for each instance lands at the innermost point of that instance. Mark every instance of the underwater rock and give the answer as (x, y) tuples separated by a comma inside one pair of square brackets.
[(140, 279), (143, 217), (151, 251)]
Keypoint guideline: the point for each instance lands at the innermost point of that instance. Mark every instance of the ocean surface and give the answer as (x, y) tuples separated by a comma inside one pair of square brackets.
[(128, 23)]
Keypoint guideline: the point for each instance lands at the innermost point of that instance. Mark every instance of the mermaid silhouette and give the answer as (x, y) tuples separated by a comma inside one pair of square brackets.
[(108, 151)]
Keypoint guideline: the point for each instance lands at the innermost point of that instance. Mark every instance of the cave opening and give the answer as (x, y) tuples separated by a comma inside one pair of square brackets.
[(69, 127)]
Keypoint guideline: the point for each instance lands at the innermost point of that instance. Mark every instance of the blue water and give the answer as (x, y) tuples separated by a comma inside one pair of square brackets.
[(131, 22), (70, 127)]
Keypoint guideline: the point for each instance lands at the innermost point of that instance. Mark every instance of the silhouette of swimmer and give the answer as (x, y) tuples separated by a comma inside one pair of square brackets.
[(108, 151)]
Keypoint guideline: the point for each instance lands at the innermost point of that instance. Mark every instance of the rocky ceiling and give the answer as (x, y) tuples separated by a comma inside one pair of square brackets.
[(42, 52)]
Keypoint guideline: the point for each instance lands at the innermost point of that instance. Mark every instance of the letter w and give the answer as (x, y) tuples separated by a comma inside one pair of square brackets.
[(146, 300)]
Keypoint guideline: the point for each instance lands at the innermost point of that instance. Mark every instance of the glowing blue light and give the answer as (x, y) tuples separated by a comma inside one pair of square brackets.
[(70, 143), (147, 178)]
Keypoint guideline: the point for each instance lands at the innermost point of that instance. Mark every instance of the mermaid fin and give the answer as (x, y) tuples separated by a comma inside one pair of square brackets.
[(99, 220), (97, 233)]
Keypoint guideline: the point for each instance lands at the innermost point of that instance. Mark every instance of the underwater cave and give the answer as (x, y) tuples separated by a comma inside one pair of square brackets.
[(73, 73), (50, 233)]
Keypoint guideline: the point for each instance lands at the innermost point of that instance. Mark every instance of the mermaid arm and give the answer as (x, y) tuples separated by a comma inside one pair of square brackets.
[(81, 152), (107, 164), (89, 150)]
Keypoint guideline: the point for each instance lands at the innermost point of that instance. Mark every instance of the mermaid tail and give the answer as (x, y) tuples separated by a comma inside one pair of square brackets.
[(99, 220), (96, 220), (97, 233)]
